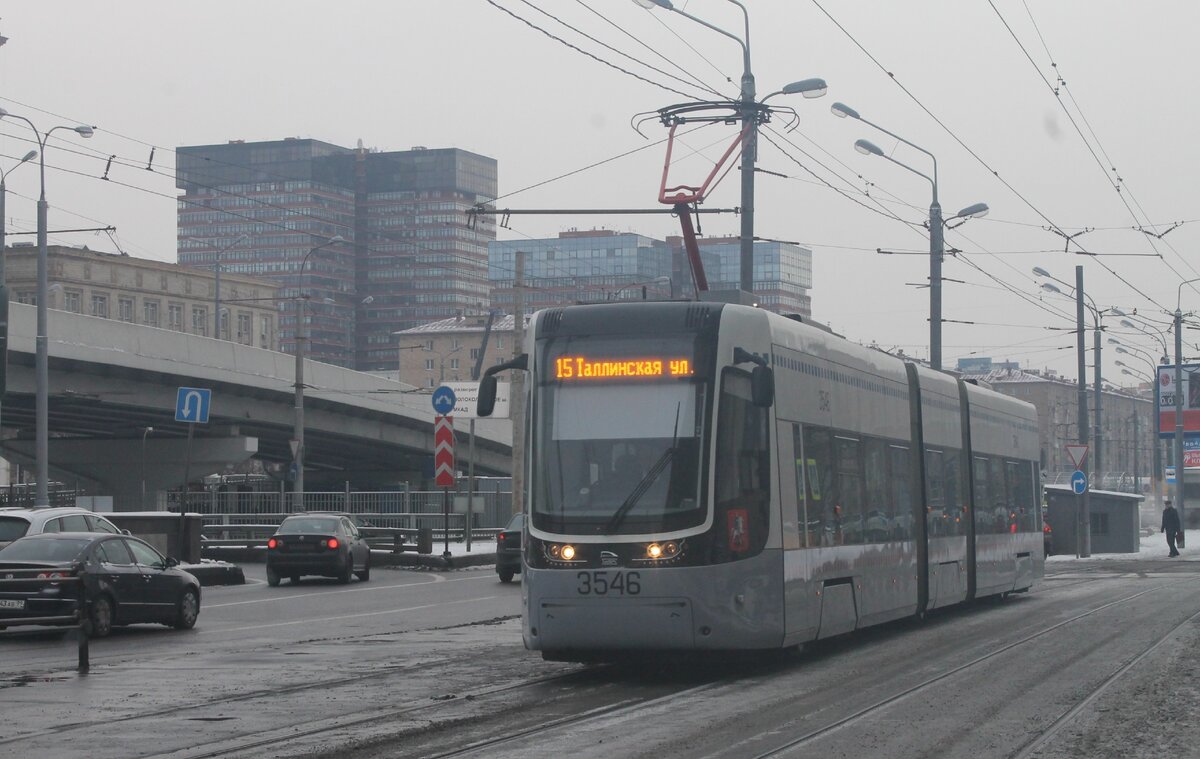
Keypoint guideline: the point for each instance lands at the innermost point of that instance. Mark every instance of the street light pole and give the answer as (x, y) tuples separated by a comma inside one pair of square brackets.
[(42, 358), (937, 245), (1180, 469), (750, 113), (146, 431), (301, 337)]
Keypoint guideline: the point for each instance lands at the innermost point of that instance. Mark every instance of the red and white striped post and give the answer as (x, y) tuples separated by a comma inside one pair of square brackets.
[(443, 468)]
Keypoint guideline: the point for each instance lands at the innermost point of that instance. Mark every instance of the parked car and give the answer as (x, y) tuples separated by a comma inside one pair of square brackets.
[(508, 548), (317, 543), (17, 522), (125, 581)]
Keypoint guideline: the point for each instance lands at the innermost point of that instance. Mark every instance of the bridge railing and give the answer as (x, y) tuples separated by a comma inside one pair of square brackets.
[(395, 532), (492, 509)]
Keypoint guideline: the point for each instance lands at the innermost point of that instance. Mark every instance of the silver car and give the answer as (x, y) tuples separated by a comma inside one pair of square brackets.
[(17, 522)]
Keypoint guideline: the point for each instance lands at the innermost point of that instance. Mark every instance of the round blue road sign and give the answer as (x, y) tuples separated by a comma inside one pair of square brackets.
[(1079, 483), (443, 400)]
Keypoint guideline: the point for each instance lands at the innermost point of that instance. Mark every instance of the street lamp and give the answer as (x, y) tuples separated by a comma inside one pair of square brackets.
[(752, 113), (3, 281), (42, 362), (301, 336), (937, 243), (145, 431)]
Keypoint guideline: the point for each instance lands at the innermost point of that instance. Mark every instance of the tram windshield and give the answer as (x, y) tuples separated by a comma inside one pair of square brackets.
[(619, 438)]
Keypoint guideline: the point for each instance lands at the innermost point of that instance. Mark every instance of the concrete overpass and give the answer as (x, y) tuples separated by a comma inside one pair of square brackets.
[(110, 379)]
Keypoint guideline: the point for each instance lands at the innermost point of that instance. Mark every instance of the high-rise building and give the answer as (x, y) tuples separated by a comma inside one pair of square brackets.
[(601, 264), (580, 266), (782, 271), (406, 256)]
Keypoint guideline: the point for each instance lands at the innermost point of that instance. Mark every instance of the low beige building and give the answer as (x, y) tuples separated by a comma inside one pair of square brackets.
[(153, 293), (447, 350)]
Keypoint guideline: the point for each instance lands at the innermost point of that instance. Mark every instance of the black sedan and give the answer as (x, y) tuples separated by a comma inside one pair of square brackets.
[(124, 581), (317, 544), (508, 548)]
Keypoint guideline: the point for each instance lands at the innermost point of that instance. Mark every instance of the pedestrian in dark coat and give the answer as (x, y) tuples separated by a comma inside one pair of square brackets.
[(1170, 525)]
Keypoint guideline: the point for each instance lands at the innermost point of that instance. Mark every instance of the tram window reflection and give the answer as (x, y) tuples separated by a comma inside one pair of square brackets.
[(877, 522), (850, 489), (902, 501), (935, 497), (982, 498), (821, 494)]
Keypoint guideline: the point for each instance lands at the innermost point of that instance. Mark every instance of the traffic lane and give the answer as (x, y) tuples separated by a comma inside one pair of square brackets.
[(235, 619)]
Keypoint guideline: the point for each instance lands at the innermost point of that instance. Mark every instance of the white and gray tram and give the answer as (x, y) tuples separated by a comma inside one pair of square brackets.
[(707, 476)]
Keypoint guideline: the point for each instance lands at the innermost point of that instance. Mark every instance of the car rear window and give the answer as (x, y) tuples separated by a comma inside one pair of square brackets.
[(516, 523), (12, 528), (43, 550), (312, 525)]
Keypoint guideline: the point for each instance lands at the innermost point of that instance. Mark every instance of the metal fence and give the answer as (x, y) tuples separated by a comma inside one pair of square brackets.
[(407, 509), (1117, 482)]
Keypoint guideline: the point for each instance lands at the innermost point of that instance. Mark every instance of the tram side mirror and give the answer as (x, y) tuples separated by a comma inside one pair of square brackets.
[(486, 402), (487, 395), (762, 386)]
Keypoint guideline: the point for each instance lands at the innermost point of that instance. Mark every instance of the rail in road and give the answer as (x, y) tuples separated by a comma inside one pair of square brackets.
[(424, 664)]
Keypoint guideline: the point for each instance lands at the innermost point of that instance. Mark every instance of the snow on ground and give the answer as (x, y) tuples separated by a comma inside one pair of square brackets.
[(1153, 547)]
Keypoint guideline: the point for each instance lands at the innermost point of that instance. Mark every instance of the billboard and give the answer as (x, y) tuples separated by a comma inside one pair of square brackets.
[(1164, 400)]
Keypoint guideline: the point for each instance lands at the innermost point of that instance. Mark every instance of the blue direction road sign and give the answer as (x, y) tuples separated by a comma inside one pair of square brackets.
[(192, 403), (1079, 483), (444, 400)]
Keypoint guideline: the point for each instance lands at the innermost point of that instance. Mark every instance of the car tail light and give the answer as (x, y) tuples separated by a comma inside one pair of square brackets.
[(272, 543), (333, 543), (499, 537)]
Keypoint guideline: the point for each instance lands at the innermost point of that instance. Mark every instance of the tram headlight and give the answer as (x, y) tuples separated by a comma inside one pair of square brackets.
[(661, 551), (560, 552)]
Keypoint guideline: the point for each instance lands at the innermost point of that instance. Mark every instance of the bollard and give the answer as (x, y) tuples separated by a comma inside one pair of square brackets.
[(397, 542), (425, 540)]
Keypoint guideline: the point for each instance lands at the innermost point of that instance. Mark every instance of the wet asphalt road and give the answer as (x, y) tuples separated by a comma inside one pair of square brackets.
[(422, 664)]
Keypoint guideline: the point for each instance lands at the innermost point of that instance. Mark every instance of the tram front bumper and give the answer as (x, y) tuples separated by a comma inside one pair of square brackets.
[(626, 624)]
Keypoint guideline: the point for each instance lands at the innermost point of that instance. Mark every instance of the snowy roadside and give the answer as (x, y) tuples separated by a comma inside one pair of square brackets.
[(1152, 547)]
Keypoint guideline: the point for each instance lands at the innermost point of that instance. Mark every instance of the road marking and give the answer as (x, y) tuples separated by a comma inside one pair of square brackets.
[(433, 580), (349, 616)]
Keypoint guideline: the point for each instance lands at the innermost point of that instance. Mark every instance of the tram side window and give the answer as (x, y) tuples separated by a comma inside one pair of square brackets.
[(1020, 492), (954, 510), (935, 497), (877, 522), (743, 478), (983, 512), (801, 519), (820, 489), (999, 492), (850, 489), (902, 503)]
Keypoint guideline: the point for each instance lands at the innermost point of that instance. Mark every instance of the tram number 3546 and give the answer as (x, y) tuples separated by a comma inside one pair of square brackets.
[(608, 583)]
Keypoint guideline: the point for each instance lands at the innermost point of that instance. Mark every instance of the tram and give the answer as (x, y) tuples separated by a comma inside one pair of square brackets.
[(710, 476)]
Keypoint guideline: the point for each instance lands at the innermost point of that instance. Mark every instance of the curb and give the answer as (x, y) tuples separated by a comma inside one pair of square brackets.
[(216, 573)]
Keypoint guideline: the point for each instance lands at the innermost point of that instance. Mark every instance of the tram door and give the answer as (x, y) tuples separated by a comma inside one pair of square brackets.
[(800, 613)]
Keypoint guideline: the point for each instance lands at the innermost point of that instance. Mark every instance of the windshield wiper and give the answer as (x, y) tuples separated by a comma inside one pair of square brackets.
[(647, 480)]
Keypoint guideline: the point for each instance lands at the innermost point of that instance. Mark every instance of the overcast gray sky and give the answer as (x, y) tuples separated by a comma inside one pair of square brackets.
[(1114, 150)]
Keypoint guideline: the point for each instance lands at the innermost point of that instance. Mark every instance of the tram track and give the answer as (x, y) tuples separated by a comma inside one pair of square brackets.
[(247, 696), (1068, 716), (894, 699)]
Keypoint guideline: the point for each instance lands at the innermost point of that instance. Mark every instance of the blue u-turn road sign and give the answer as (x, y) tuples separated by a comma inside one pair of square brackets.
[(444, 400), (1079, 483), (192, 403)]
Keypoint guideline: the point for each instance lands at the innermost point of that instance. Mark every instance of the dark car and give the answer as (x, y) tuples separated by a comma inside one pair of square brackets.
[(317, 544), (508, 548), (125, 581)]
